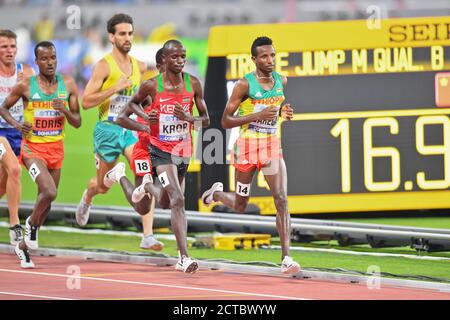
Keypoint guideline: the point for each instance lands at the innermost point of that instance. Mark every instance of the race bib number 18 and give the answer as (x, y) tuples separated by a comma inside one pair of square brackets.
[(142, 166)]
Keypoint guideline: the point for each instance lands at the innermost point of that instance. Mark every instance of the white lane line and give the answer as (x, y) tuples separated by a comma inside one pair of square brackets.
[(32, 295), (153, 284)]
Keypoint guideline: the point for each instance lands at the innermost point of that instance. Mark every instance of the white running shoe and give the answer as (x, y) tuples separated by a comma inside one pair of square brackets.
[(207, 196), (15, 234), (188, 265), (83, 210), (31, 235), (289, 266), (150, 242), (139, 193), (24, 257), (114, 175), (179, 266)]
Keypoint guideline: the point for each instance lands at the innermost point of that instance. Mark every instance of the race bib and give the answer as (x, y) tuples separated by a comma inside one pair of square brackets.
[(172, 129), (142, 166), (47, 122), (2, 151), (116, 105), (34, 171), (263, 126)]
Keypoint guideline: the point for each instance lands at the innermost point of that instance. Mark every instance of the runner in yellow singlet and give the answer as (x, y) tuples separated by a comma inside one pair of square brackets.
[(115, 79)]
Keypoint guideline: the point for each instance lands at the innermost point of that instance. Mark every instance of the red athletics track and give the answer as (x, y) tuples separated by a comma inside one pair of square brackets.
[(109, 280)]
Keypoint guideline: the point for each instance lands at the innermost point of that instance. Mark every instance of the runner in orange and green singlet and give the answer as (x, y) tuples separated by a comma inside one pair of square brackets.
[(49, 100), (258, 98)]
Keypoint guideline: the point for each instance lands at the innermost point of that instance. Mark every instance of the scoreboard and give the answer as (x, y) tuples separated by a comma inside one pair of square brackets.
[(371, 130)]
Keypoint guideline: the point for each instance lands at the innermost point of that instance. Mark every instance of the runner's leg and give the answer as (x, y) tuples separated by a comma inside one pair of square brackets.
[(96, 185), (10, 182), (47, 192), (233, 200), (168, 176), (277, 181)]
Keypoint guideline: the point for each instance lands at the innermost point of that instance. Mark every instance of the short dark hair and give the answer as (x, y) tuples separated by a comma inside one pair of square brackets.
[(8, 34), (171, 42), (260, 41), (43, 44), (117, 19), (159, 56)]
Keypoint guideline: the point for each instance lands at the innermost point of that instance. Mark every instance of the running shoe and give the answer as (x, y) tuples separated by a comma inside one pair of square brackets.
[(24, 257), (207, 196), (83, 210), (289, 266), (150, 242), (179, 266), (114, 175), (15, 234), (139, 193), (188, 265), (31, 235)]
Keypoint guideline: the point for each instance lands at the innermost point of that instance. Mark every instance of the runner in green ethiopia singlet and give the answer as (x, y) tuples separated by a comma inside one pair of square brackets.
[(48, 124), (259, 99), (110, 140)]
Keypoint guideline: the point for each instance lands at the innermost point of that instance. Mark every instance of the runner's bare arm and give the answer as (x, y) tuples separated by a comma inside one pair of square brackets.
[(203, 117), (200, 103), (239, 94), (134, 106), (73, 113), (142, 68), (92, 96), (20, 90), (286, 111), (124, 120), (143, 97)]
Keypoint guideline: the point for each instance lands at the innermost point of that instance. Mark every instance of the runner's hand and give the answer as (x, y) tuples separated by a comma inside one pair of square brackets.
[(58, 105), (145, 129), (180, 113), (25, 128), (20, 76), (153, 117), (269, 113), (287, 113), (123, 83)]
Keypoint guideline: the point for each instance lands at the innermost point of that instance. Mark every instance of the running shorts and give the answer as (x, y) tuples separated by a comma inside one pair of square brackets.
[(110, 140)]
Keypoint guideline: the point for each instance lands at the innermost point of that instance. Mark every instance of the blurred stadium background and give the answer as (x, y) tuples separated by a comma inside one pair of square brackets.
[(82, 44), (78, 30)]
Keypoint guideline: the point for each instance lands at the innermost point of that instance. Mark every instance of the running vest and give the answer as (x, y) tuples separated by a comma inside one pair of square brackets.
[(6, 85), (259, 99), (48, 124), (171, 134), (111, 107)]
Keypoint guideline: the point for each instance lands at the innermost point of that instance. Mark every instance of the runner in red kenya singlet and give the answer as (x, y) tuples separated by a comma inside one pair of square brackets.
[(171, 121)]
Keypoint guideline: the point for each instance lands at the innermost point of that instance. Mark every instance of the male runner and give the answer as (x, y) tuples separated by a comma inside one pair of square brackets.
[(258, 97), (49, 99), (11, 138), (172, 95), (114, 80)]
